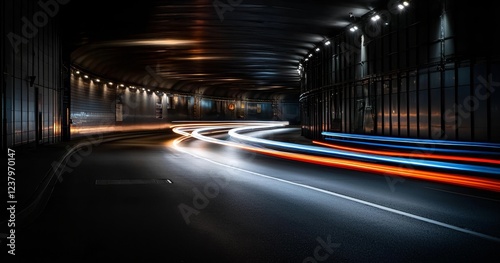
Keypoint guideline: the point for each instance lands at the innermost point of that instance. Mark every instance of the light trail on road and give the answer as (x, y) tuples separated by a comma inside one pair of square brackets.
[(405, 167), (413, 154)]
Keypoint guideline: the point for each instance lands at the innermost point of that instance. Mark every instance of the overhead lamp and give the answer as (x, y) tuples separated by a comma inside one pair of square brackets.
[(403, 4), (353, 28), (97, 80), (121, 85), (86, 76), (310, 55), (110, 83), (327, 43), (306, 59), (77, 72), (317, 49), (375, 18)]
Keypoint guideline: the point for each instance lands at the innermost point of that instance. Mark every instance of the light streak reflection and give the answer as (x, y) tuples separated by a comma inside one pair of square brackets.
[(480, 148), (414, 154), (341, 157), (363, 156)]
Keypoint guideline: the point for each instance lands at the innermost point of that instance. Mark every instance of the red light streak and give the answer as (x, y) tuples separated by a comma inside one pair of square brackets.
[(480, 183), (412, 155), (441, 177)]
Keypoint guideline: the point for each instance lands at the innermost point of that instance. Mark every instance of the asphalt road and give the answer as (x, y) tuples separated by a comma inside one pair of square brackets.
[(142, 200)]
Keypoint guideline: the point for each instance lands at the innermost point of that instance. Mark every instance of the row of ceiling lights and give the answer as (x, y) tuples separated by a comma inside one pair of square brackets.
[(353, 28), (110, 83), (134, 88)]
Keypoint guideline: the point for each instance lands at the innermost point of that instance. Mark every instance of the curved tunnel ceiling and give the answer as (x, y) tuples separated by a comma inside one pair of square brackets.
[(227, 48)]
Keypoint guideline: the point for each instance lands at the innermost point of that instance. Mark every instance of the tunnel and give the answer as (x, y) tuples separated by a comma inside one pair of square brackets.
[(250, 131)]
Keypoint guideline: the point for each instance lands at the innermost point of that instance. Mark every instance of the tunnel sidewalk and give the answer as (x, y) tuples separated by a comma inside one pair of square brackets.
[(36, 169)]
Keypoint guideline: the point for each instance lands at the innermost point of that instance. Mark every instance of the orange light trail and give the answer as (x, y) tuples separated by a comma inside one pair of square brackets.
[(412, 155), (461, 180), (480, 183)]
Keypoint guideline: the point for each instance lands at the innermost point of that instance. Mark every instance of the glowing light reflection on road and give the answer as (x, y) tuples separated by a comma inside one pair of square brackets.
[(413, 154), (199, 131), (363, 156)]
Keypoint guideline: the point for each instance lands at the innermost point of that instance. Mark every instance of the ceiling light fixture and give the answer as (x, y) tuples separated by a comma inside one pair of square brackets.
[(403, 4)]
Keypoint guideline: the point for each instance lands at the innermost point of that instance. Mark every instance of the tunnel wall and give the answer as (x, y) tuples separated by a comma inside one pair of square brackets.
[(428, 73), (32, 82), (99, 106), (106, 107)]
